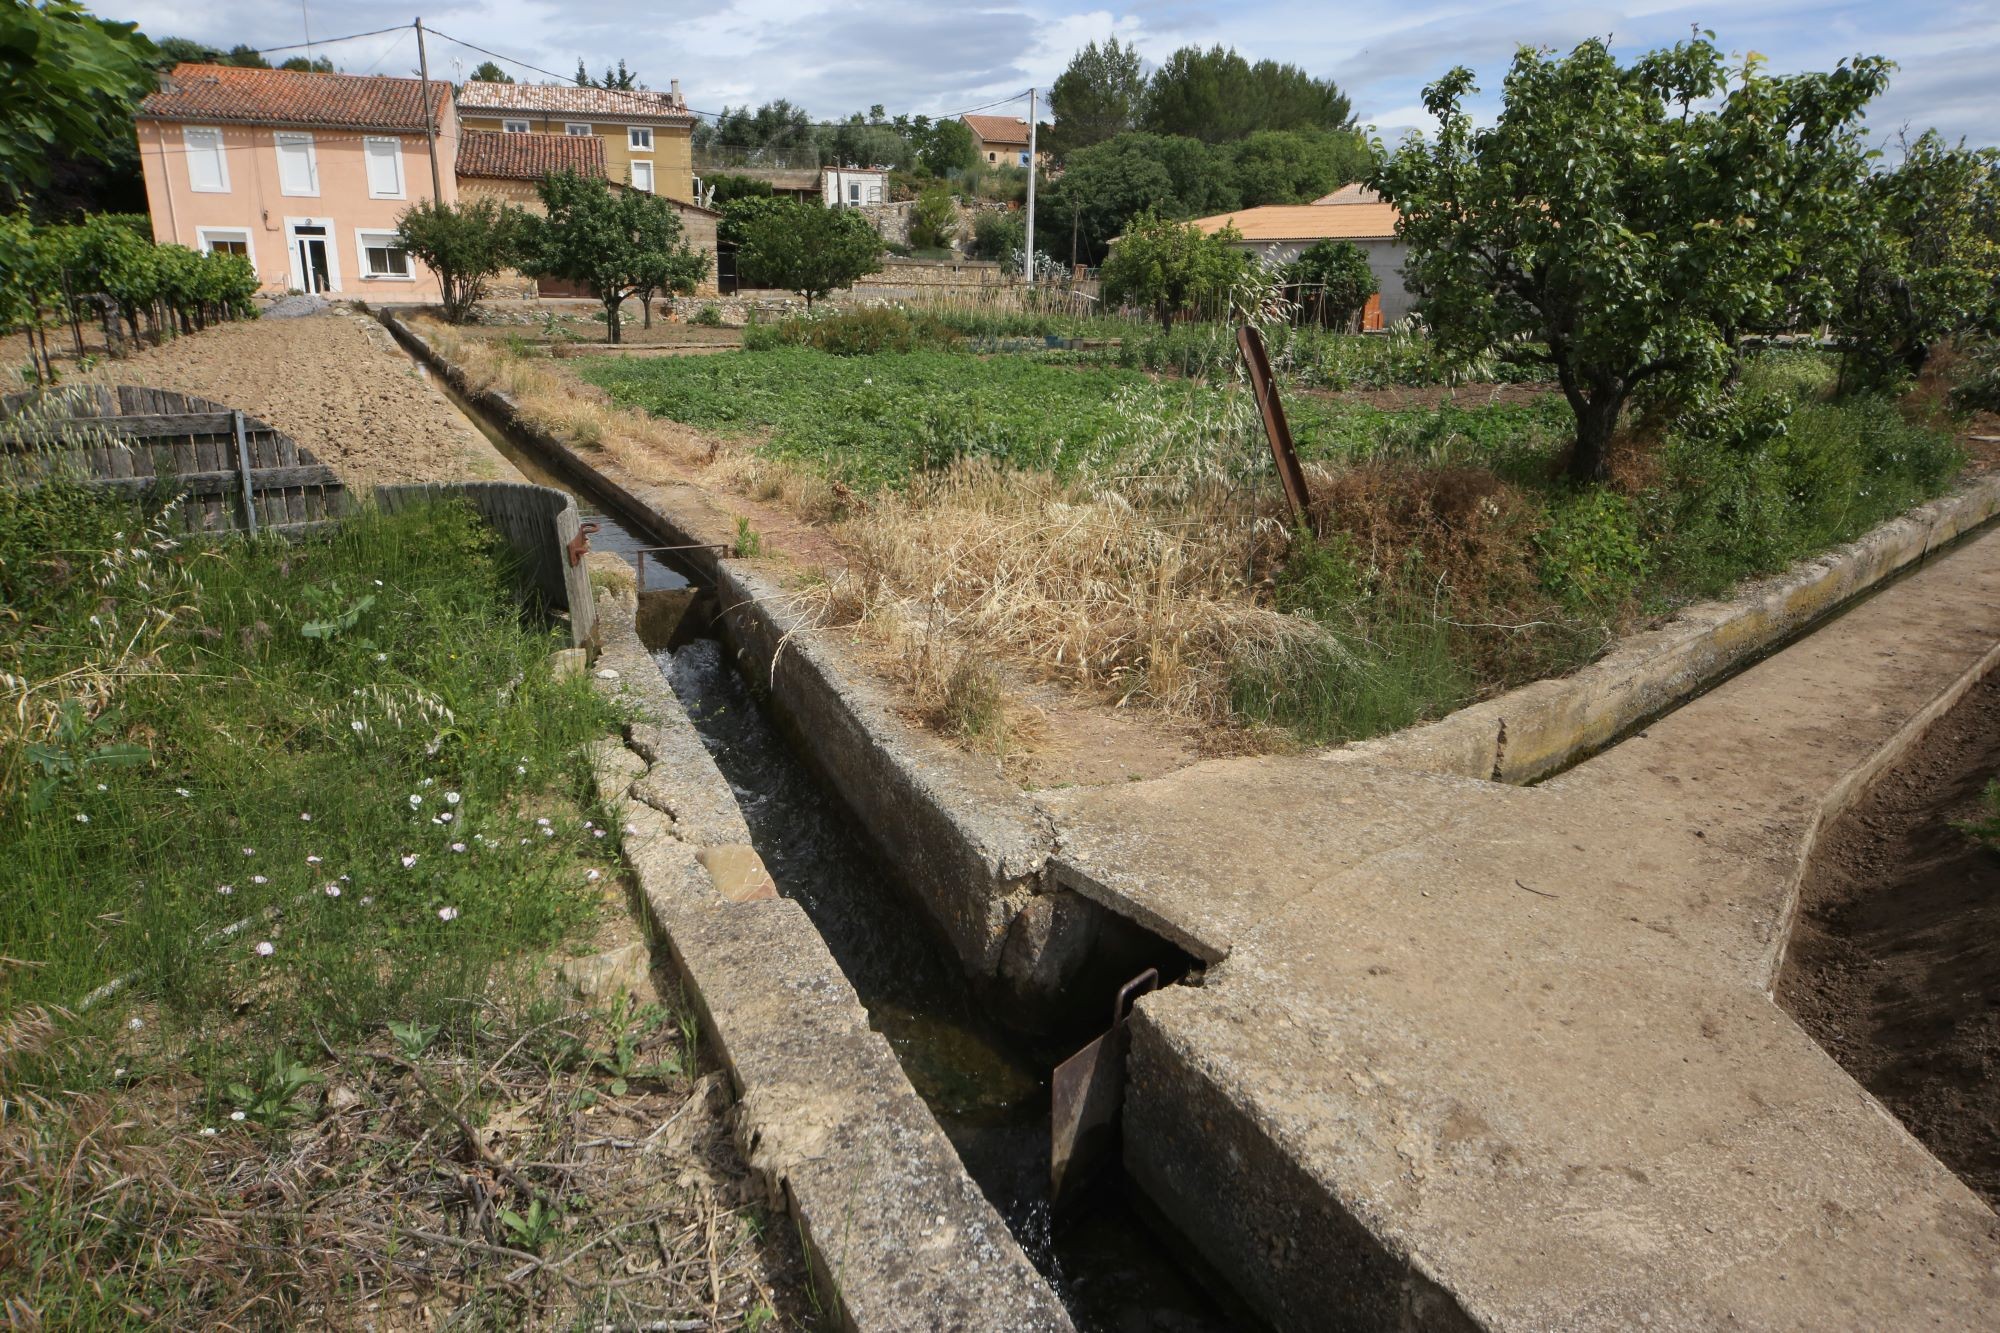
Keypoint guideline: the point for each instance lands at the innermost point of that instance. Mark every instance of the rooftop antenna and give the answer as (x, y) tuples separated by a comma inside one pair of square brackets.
[(305, 17)]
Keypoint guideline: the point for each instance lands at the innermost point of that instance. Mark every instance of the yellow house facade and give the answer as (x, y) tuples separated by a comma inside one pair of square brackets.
[(648, 137)]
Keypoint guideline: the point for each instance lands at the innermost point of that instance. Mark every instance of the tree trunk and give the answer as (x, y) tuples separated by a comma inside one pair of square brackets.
[(611, 326), (646, 307), (1596, 418)]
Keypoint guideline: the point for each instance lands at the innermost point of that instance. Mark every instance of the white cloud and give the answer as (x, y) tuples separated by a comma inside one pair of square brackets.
[(837, 56)]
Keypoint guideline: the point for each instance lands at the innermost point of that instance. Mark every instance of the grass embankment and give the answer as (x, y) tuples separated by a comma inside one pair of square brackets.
[(290, 830), (1121, 530)]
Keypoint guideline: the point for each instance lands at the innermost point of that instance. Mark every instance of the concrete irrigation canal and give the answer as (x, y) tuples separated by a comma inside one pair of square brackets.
[(1470, 1027)]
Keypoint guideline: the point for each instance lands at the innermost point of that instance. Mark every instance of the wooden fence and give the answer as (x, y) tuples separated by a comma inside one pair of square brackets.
[(236, 473), (233, 470)]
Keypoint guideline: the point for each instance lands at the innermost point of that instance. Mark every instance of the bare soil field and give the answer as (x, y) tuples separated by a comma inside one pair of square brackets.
[(1895, 966), (335, 383)]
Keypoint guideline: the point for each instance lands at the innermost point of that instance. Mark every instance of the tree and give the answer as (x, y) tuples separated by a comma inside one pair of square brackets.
[(934, 220), (1625, 225), (465, 244), (1097, 97), (620, 79), (314, 65), (1173, 266), (997, 236), (488, 72), (1335, 280), (1217, 96), (620, 244), (727, 188), (949, 148), (1105, 186), (800, 246), (69, 83), (1931, 267), (1295, 166)]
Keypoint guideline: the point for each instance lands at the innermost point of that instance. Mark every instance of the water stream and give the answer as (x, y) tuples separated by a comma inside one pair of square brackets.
[(987, 1086)]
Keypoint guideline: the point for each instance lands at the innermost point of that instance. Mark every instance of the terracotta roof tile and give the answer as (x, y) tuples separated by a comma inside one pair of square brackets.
[(1307, 222), (998, 129), (557, 99), (293, 97), (529, 157)]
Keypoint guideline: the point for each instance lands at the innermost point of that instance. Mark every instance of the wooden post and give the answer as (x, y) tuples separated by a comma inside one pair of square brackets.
[(1275, 427), (243, 470)]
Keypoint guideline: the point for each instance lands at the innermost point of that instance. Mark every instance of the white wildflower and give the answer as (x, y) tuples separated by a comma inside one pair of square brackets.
[(265, 948), (225, 889), (593, 875), (458, 847), (182, 792), (447, 914), (82, 818), (237, 1116), (415, 800), (409, 860), (333, 890), (451, 798)]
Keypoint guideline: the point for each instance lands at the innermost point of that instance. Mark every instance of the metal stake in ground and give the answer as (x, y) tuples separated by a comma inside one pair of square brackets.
[(1289, 472)]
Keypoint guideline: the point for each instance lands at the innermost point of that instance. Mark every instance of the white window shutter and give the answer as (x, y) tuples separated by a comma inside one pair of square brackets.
[(385, 168), (206, 170), (295, 164)]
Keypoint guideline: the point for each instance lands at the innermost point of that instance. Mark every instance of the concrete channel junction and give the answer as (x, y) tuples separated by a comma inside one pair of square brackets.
[(1479, 1029)]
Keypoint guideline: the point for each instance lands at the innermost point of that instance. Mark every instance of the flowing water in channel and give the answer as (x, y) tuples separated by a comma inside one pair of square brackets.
[(988, 1088)]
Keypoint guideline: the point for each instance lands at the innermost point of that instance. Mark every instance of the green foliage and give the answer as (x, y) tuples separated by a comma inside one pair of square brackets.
[(708, 317), (1295, 166), (1104, 187), (194, 653), (621, 244), (1592, 553), (1385, 660), (866, 332), (1217, 96), (1930, 266), (949, 148), (934, 220), (729, 188), (465, 244), (1097, 97), (1773, 473), (488, 72), (749, 542), (802, 247), (1336, 280), (271, 1100), (1978, 381), (1173, 267), (1634, 221), (997, 236), (1985, 826), (69, 83)]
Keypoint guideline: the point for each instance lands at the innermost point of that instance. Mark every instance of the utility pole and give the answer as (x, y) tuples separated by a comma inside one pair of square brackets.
[(430, 117), (1028, 255)]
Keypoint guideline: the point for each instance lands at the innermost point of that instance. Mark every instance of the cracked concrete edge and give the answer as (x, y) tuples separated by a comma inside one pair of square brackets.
[(1541, 728), (1851, 788), (968, 845), (965, 841), (898, 1234)]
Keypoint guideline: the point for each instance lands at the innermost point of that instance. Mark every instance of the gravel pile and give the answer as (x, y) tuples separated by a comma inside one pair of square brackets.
[(292, 307)]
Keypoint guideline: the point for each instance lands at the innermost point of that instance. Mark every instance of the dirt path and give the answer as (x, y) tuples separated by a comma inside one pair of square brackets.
[(1895, 966), (333, 382)]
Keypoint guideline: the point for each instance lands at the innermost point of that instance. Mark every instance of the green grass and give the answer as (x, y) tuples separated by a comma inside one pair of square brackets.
[(202, 735), (1534, 582), (877, 420)]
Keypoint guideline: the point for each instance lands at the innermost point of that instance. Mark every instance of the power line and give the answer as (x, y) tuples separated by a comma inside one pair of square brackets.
[(329, 41)]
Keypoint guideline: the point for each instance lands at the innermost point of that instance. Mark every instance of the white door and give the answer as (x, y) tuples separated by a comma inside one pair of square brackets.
[(315, 264)]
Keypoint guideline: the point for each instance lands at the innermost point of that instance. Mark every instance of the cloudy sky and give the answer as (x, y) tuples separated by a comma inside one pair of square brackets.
[(837, 56)]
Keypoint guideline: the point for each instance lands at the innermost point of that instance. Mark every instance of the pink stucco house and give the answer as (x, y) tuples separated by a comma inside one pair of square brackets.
[(302, 174)]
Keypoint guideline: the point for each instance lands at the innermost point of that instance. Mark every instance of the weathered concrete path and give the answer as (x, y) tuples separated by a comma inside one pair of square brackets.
[(1481, 1055)]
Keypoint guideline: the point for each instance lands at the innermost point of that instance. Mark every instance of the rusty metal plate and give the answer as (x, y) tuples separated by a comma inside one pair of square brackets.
[(1085, 1096)]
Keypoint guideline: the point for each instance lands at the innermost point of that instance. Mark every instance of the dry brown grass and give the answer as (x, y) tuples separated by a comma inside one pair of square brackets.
[(1140, 580), (383, 1201), (1078, 584)]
